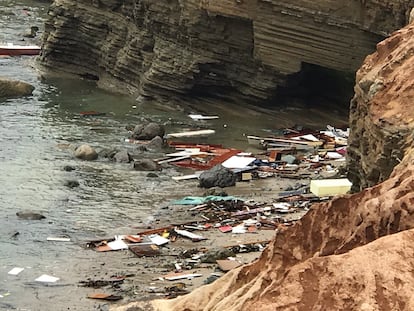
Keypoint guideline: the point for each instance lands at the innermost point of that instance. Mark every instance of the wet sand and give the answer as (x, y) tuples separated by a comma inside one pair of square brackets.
[(142, 281)]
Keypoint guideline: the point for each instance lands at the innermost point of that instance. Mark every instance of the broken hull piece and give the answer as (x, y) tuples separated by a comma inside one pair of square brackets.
[(198, 117), (286, 143), (330, 187), (190, 134), (148, 250), (221, 156), (17, 50)]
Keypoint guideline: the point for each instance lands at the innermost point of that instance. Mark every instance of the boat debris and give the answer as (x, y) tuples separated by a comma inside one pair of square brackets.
[(11, 49), (190, 134), (185, 251), (198, 117)]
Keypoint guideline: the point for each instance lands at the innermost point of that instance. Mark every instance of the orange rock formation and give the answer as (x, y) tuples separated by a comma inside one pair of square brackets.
[(382, 117)]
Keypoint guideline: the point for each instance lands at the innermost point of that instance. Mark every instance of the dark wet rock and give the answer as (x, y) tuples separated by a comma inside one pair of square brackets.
[(216, 254), (32, 33), (68, 168), (122, 157), (210, 279), (217, 191), (101, 283), (129, 128), (29, 215), (72, 183), (141, 148), (14, 88), (86, 152), (15, 234), (152, 175), (146, 165), (218, 176), (148, 131), (107, 153), (155, 144)]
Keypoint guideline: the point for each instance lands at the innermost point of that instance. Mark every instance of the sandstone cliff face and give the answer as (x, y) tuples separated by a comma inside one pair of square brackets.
[(351, 253), (382, 114), (222, 48)]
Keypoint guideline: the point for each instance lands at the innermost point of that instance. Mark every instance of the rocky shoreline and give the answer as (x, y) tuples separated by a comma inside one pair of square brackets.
[(140, 277), (352, 252)]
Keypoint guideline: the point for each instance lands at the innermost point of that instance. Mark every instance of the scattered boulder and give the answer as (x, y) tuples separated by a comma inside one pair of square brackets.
[(217, 191), (216, 254), (218, 176), (155, 144), (107, 153), (68, 168), (32, 33), (152, 175), (14, 88), (148, 131), (122, 157), (141, 148), (146, 165), (29, 215), (72, 183), (86, 152)]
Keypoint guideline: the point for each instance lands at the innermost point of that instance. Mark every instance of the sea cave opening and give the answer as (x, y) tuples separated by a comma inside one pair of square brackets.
[(319, 88)]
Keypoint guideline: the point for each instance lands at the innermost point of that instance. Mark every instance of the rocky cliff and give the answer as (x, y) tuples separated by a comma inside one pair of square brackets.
[(354, 252), (382, 116), (233, 49)]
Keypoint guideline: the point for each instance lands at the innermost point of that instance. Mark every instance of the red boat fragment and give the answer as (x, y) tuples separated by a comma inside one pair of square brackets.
[(17, 50)]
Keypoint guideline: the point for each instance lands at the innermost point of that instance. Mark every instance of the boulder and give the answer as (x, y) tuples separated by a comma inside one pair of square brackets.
[(86, 152), (148, 131), (14, 88), (146, 165), (32, 33), (218, 176), (216, 254), (122, 157), (29, 215), (72, 183), (155, 144), (68, 168)]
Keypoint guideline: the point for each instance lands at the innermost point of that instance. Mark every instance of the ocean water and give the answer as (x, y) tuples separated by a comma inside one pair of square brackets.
[(37, 134)]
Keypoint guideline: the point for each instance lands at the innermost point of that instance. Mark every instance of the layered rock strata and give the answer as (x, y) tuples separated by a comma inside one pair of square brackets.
[(234, 49), (381, 113)]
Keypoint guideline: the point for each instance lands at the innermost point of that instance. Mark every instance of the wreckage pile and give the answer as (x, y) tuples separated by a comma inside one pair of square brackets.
[(297, 154), (191, 245)]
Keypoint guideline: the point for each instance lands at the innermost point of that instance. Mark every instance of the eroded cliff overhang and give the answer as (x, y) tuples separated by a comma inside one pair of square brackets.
[(228, 48), (381, 115)]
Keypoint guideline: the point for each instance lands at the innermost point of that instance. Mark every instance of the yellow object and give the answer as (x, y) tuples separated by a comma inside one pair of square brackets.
[(330, 187), (165, 234)]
